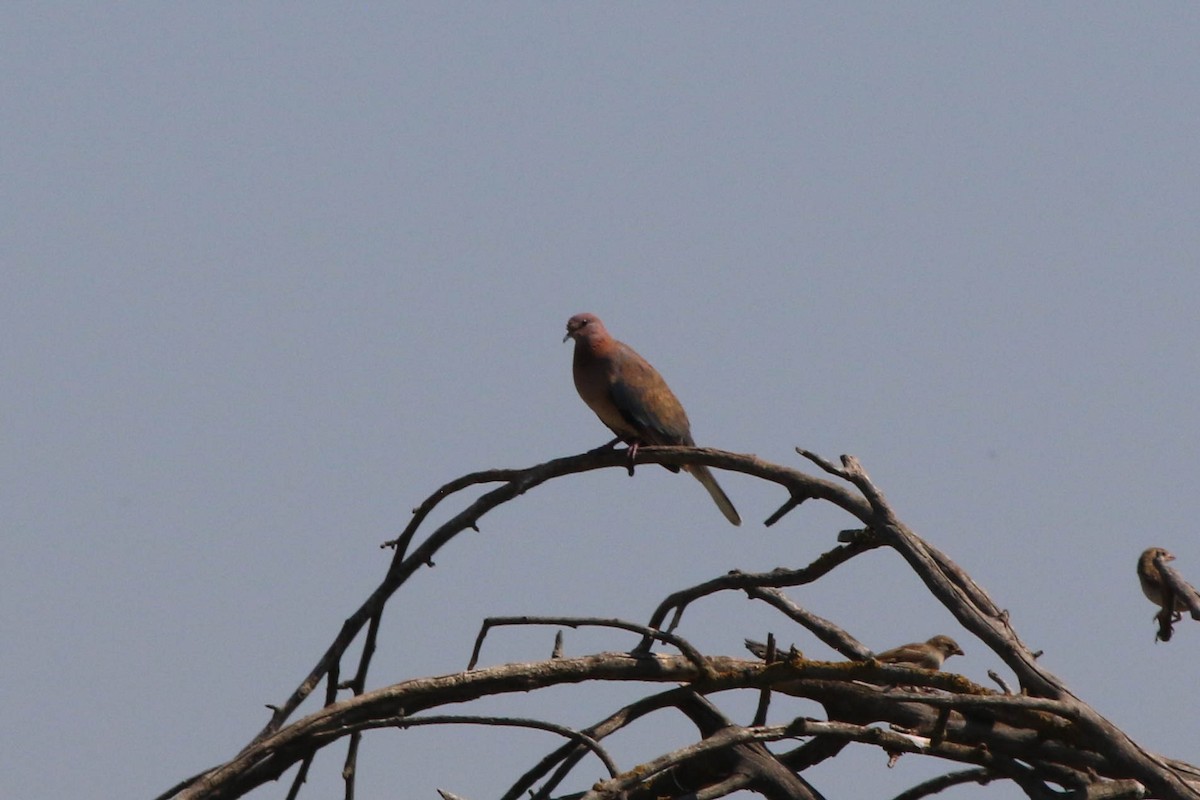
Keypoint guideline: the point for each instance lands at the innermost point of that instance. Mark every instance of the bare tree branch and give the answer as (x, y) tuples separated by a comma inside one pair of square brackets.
[(502, 722), (823, 629), (1042, 738), (738, 580), (950, 779), (568, 755), (515, 483), (691, 653)]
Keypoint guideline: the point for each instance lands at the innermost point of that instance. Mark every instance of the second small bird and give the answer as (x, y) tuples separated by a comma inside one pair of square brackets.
[(632, 399)]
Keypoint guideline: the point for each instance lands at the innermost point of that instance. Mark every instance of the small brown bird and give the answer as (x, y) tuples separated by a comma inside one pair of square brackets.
[(1151, 579), (633, 400), (924, 655)]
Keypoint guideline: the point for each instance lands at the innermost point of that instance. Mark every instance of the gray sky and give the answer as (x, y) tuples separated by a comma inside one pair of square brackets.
[(273, 273)]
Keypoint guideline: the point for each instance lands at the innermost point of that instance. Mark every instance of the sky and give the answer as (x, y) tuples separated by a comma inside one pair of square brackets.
[(274, 273)]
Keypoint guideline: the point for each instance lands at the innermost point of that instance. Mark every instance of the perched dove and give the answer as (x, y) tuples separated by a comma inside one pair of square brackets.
[(632, 399)]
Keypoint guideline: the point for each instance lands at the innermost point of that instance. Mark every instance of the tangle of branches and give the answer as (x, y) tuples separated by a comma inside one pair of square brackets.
[(1041, 737)]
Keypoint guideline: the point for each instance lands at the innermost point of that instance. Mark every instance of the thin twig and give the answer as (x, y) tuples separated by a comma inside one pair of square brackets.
[(823, 629), (704, 748), (934, 785), (736, 580), (688, 651), (567, 756), (504, 722), (764, 697)]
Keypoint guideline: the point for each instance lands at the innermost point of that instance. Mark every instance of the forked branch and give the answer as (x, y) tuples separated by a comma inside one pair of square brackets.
[(1040, 739)]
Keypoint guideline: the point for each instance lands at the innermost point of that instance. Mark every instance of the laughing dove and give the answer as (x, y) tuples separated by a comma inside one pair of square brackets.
[(632, 399)]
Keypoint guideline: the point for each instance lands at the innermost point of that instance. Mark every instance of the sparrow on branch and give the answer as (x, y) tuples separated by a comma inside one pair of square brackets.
[(923, 655)]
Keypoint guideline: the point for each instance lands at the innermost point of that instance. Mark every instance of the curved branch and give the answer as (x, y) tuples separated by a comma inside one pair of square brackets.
[(823, 629), (503, 722), (837, 685), (934, 785), (961, 596), (688, 651), (569, 755), (705, 748), (517, 482), (777, 578), (270, 757)]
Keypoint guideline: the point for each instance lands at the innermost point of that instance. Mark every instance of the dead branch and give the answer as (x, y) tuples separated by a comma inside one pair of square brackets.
[(691, 653), (1041, 738)]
